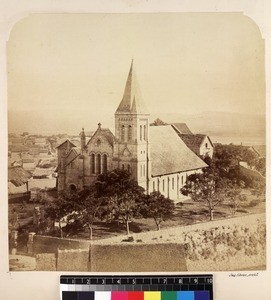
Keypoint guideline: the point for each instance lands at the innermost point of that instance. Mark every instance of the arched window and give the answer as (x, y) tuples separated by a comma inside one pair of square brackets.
[(145, 132), (122, 166), (140, 132), (173, 183), (122, 133), (92, 163), (99, 158), (182, 180), (163, 185), (129, 132), (153, 186), (129, 168), (104, 163)]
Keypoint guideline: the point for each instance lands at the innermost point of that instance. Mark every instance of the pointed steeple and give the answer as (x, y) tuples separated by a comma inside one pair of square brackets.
[(132, 101)]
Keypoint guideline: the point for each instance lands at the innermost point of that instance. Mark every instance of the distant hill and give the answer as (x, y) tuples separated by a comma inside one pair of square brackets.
[(220, 126), (223, 126)]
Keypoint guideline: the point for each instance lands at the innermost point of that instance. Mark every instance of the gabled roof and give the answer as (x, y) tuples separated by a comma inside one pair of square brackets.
[(109, 135), (169, 153), (106, 132), (182, 128), (18, 175), (132, 101), (193, 141), (60, 143)]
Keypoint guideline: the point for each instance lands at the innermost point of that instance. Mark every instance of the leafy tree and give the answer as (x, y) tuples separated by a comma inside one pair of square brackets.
[(87, 210), (158, 122), (250, 157), (258, 188), (116, 182), (205, 187), (228, 156), (234, 195), (158, 207), (122, 194), (58, 209), (261, 165), (126, 206)]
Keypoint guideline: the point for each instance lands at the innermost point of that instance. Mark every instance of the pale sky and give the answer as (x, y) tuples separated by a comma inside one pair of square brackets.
[(67, 71)]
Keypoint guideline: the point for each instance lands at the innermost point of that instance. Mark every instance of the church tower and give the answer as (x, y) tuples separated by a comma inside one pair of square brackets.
[(131, 148)]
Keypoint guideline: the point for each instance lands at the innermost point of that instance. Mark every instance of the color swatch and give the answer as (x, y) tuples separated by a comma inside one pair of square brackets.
[(186, 287), (197, 295)]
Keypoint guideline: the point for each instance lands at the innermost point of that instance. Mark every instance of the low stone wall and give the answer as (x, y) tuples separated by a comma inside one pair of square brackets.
[(138, 258), (225, 245), (73, 260), (46, 262), (47, 244)]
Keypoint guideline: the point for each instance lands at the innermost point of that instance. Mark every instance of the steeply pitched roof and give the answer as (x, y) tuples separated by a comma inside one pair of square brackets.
[(193, 141), (61, 142), (18, 175), (169, 154), (106, 132), (109, 135), (182, 128), (132, 101)]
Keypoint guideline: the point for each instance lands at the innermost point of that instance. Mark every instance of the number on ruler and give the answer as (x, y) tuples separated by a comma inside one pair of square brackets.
[(134, 281), (103, 281), (118, 281), (180, 281), (196, 280), (165, 281), (88, 281), (73, 281), (209, 280)]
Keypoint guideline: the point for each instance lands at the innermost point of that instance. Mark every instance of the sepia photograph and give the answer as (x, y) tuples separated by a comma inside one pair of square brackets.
[(136, 143)]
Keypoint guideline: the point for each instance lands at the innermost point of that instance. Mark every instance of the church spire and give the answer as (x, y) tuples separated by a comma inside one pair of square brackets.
[(132, 101)]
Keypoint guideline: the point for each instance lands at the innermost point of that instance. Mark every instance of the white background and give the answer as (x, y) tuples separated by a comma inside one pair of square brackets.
[(45, 285)]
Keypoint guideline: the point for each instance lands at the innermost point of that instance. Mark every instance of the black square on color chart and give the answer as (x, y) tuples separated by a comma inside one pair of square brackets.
[(85, 295)]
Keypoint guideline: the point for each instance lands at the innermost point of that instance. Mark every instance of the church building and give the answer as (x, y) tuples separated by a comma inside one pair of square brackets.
[(156, 156)]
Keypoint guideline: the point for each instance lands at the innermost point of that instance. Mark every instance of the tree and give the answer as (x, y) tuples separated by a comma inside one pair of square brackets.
[(234, 195), (122, 194), (258, 188), (126, 207), (205, 187), (158, 207), (158, 122), (228, 156), (58, 209), (250, 157), (261, 165), (88, 209)]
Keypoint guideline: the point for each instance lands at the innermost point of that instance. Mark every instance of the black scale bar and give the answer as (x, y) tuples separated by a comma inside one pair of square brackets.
[(142, 283), (135, 280)]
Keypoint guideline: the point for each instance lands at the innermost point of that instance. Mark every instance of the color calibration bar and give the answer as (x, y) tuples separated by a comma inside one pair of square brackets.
[(186, 287)]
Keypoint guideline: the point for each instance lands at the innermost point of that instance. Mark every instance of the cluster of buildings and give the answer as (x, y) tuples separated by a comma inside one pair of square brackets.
[(31, 166)]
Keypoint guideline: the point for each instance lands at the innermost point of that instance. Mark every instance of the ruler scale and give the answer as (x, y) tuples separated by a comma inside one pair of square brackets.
[(137, 287)]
